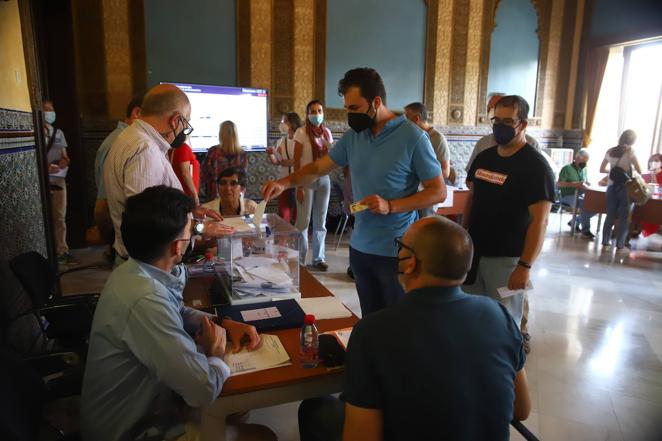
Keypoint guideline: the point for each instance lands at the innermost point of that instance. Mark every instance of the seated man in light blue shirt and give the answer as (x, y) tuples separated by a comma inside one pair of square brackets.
[(142, 354), (388, 157), (101, 213)]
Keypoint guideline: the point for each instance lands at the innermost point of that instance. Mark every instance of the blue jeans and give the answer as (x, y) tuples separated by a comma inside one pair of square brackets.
[(583, 218), (618, 208), (376, 280), (315, 203), (494, 273)]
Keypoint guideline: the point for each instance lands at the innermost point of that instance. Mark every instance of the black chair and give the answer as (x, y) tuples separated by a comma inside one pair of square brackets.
[(37, 395), (526, 433), (67, 319)]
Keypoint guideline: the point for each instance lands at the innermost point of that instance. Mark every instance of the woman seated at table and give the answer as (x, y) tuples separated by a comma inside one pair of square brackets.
[(231, 186), (654, 177)]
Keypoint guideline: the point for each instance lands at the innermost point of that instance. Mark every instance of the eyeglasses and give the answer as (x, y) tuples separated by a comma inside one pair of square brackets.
[(232, 183), (400, 245), (188, 128), (506, 121)]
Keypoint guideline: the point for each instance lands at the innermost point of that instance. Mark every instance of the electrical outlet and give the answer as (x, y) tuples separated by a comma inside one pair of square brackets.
[(17, 74)]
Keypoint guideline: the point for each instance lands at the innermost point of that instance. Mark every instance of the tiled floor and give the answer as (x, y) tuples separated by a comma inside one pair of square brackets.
[(595, 369)]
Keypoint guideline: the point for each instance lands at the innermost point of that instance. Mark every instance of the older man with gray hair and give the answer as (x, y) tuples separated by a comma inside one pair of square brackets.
[(572, 183), (137, 159)]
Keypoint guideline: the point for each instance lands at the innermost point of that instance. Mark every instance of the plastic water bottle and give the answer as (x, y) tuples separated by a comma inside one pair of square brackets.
[(208, 265), (309, 350)]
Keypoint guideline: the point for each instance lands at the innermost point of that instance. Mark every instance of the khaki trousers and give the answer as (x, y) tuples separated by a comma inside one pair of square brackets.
[(59, 212)]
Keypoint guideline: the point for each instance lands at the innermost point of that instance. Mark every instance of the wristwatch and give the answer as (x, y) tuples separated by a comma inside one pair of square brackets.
[(198, 227)]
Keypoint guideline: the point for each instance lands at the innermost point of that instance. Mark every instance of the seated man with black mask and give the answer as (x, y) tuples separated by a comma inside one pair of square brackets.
[(142, 351), (453, 370)]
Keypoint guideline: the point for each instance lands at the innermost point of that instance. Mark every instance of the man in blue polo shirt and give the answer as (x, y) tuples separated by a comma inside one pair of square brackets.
[(388, 156)]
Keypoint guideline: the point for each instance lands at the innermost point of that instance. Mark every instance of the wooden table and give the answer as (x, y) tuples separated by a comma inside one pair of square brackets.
[(595, 201), (273, 386)]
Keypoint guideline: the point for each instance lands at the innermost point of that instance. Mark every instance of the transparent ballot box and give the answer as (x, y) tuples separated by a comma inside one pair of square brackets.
[(259, 264)]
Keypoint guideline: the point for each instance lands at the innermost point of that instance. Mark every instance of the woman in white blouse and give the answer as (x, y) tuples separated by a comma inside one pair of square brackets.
[(283, 155), (311, 142)]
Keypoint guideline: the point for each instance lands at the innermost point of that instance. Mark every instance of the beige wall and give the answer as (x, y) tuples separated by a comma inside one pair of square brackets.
[(14, 92)]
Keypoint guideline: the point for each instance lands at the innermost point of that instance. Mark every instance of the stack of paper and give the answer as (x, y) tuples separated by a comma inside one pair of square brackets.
[(270, 354), (261, 276), (324, 307)]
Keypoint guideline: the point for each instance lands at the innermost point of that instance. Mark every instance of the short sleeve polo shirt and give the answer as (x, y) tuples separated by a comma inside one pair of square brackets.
[(449, 369), (391, 165)]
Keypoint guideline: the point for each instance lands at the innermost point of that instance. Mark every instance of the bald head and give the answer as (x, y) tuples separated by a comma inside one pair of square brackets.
[(165, 99), (443, 247)]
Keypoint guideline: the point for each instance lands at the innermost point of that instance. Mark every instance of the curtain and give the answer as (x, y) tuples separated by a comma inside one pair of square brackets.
[(596, 64)]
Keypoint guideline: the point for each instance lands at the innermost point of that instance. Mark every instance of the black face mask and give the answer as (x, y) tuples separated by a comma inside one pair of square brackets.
[(503, 133), (179, 139), (581, 165), (360, 121)]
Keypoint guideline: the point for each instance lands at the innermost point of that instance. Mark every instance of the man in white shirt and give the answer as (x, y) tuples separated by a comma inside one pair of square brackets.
[(137, 159)]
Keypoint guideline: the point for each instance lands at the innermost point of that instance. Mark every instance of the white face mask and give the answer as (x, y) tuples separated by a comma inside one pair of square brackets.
[(283, 128), (653, 165), (49, 116)]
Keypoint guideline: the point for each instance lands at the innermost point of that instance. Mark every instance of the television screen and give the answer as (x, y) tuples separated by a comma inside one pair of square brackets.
[(211, 105)]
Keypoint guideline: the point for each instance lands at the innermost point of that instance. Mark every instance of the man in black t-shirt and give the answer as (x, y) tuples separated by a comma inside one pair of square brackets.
[(511, 192), (453, 369)]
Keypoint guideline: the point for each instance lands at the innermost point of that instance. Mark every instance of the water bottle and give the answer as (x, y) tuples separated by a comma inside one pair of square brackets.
[(208, 265), (309, 350)]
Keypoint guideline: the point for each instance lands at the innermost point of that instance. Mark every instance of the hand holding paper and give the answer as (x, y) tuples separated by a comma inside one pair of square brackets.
[(259, 213)]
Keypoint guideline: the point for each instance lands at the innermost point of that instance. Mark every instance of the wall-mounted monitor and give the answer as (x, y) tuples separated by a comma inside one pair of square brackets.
[(211, 105)]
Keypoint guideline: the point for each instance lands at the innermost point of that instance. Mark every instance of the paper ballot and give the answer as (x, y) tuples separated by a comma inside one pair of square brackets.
[(259, 213), (238, 223), (270, 354), (505, 292)]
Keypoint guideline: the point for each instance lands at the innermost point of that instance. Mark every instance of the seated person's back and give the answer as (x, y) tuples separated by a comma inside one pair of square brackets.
[(439, 364)]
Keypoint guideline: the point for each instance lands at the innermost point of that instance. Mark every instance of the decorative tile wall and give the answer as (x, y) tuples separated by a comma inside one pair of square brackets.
[(21, 214)]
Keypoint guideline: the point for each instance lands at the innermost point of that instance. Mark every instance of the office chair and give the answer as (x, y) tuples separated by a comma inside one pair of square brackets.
[(35, 393), (65, 319), (562, 207)]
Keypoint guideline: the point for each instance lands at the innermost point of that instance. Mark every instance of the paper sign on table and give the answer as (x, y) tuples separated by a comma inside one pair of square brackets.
[(260, 314), (270, 354)]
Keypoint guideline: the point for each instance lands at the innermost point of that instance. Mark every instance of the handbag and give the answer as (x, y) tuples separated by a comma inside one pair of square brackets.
[(637, 190), (617, 174)]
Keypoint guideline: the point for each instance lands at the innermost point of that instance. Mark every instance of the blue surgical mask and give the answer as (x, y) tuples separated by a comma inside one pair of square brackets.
[(49, 116), (316, 120)]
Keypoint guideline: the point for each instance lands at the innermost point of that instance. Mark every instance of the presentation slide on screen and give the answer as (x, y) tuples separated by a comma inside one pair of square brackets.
[(211, 105)]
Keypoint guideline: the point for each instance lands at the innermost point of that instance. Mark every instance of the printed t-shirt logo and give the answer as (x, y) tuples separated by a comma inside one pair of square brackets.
[(490, 176)]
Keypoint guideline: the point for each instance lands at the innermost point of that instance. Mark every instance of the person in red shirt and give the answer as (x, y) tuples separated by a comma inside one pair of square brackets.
[(655, 176), (187, 169)]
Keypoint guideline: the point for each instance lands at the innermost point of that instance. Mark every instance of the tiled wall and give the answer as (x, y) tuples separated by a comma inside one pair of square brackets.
[(21, 214)]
